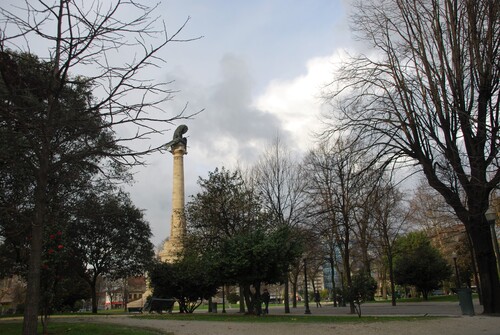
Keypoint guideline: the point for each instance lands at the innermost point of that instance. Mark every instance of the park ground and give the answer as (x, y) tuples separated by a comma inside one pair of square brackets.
[(419, 318)]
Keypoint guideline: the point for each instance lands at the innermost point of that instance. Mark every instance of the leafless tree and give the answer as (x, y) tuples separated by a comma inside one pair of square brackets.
[(391, 220), (337, 174), (114, 288), (280, 183), (110, 43), (430, 94), (429, 211)]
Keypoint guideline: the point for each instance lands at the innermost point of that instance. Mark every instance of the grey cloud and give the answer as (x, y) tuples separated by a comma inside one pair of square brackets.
[(229, 114)]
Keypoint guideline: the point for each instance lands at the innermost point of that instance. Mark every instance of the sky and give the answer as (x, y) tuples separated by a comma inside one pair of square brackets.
[(256, 69), (257, 72)]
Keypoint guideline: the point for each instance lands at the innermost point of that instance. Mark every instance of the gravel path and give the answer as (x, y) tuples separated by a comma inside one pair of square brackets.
[(465, 325), (452, 324)]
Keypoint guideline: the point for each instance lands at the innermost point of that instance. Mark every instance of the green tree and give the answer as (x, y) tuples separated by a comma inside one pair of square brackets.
[(258, 256), (53, 132), (225, 206), (109, 237), (362, 289), (429, 94), (419, 264), (189, 280)]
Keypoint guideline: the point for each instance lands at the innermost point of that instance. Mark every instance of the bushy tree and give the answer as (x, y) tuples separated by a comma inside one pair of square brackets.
[(258, 256), (109, 237), (362, 289), (225, 206), (419, 264), (189, 280)]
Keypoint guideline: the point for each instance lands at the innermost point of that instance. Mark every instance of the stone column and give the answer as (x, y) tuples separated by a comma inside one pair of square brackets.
[(174, 245)]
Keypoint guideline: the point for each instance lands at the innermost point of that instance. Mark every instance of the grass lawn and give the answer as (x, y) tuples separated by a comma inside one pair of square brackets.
[(80, 328)]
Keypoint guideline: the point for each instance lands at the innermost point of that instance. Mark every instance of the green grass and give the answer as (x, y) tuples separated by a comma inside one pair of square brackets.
[(80, 328)]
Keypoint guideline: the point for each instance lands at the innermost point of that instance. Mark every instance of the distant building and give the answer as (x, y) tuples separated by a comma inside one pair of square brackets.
[(12, 294)]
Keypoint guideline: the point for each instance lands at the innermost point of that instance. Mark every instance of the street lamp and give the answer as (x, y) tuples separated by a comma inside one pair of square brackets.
[(457, 274), (306, 301), (491, 217)]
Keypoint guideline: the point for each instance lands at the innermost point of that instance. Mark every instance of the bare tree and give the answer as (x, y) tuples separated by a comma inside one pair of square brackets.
[(280, 183), (111, 43), (337, 174), (364, 220), (391, 218), (430, 212), (430, 94)]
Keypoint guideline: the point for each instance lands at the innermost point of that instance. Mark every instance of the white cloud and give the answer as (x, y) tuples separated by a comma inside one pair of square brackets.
[(297, 103)]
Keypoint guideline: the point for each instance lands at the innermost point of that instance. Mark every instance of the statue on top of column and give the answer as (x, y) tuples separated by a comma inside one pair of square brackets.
[(178, 139)]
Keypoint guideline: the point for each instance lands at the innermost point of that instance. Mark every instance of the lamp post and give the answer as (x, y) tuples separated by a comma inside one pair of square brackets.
[(457, 274), (306, 301), (491, 217)]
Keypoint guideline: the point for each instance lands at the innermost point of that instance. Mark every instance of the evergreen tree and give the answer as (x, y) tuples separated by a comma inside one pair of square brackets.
[(419, 264)]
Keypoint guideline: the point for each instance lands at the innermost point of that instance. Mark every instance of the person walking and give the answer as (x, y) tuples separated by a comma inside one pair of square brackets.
[(265, 298), (317, 299)]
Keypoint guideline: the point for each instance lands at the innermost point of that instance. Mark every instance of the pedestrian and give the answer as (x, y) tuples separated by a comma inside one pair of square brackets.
[(317, 299), (265, 298)]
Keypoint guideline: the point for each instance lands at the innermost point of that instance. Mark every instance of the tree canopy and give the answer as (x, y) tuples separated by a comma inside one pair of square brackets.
[(250, 248), (189, 280), (258, 256), (108, 236), (418, 263)]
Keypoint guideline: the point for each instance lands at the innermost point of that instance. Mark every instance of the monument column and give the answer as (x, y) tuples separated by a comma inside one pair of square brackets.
[(174, 245)]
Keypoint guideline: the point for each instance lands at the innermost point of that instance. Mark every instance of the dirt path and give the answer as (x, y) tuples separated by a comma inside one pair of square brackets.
[(465, 325)]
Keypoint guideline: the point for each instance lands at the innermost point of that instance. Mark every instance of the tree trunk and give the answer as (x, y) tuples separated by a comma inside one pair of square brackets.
[(391, 278), (257, 300), (334, 293), (93, 292), (242, 300), (248, 298), (287, 295), (32, 301), (347, 269), (480, 235)]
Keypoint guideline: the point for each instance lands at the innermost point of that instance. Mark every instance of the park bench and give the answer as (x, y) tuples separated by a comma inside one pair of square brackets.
[(134, 309), (159, 305)]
